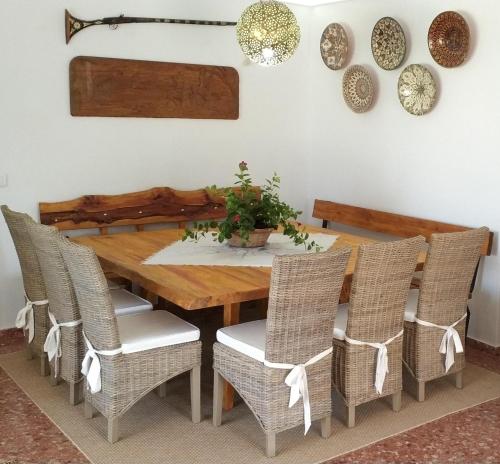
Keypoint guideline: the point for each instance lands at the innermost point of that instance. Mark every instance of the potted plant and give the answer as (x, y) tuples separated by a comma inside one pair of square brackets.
[(252, 215)]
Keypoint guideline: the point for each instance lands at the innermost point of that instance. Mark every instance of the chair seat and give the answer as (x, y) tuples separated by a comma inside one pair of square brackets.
[(126, 302), (411, 305), (341, 322), (154, 329), (248, 338)]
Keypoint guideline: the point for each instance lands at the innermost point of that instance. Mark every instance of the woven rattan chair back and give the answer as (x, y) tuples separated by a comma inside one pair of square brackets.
[(57, 280), (380, 288), (448, 273), (92, 294), (30, 267), (303, 300)]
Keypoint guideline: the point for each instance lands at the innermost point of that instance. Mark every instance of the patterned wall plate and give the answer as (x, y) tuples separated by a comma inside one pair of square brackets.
[(358, 89), (334, 46), (417, 89), (388, 44), (449, 39)]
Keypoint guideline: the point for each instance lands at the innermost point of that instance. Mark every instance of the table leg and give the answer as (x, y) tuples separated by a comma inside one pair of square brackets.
[(231, 317)]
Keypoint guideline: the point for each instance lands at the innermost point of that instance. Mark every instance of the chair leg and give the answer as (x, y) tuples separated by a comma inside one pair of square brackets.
[(88, 410), (459, 379), (351, 416), (326, 426), (161, 390), (421, 391), (195, 381), (113, 429), (54, 381), (217, 400), (396, 401), (29, 353), (75, 393), (44, 365), (270, 444)]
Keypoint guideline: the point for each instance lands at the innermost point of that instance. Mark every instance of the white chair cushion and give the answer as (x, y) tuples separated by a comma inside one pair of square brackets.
[(154, 329), (341, 322), (126, 302), (411, 305), (248, 338)]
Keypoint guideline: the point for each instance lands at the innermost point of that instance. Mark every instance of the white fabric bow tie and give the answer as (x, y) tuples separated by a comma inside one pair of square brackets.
[(451, 339), (91, 366), (297, 381), (52, 345), (382, 368), (25, 319)]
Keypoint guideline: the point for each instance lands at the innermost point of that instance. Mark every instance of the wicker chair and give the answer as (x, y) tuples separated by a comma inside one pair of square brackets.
[(35, 313), (66, 360), (434, 334), (367, 339), (129, 356), (258, 357)]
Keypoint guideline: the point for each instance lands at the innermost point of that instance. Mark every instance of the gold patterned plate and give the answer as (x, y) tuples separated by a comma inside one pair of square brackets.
[(358, 89), (388, 44), (334, 46), (417, 89), (449, 39)]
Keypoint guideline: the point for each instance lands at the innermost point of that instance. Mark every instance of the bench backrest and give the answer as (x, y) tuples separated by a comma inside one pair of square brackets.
[(387, 223), (155, 206)]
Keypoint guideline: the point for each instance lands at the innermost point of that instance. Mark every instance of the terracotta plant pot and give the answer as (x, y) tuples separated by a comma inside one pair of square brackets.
[(257, 238)]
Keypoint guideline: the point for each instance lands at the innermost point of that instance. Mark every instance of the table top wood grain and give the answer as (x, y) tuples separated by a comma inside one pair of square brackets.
[(194, 287)]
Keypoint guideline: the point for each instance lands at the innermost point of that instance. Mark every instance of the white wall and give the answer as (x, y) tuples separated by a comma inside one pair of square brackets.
[(442, 166), (49, 155)]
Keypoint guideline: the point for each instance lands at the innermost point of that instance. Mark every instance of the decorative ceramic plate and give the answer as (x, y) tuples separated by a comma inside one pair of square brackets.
[(358, 89), (388, 44), (334, 46), (449, 39), (417, 89)]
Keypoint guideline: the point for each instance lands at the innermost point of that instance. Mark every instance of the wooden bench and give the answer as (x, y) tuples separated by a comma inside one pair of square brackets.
[(161, 205), (391, 224)]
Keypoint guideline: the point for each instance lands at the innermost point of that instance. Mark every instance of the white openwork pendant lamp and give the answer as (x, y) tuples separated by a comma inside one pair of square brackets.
[(268, 32)]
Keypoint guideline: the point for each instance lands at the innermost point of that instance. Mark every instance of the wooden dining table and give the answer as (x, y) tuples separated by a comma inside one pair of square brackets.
[(199, 287)]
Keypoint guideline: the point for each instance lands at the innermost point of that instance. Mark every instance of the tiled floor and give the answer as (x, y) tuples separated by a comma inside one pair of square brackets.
[(27, 436)]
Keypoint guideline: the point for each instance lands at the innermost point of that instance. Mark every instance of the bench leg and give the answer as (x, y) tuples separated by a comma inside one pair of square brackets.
[(217, 400), (459, 379), (195, 381)]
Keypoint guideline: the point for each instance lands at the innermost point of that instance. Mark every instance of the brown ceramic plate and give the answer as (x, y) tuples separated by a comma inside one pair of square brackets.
[(358, 89), (417, 90), (449, 39), (334, 46), (388, 44)]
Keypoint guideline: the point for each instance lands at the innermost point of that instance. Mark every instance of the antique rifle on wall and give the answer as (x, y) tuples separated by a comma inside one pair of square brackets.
[(75, 25)]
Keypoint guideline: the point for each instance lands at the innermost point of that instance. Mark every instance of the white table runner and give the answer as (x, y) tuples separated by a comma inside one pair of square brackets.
[(206, 252)]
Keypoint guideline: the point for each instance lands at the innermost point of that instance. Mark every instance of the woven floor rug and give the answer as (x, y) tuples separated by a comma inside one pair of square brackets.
[(159, 430)]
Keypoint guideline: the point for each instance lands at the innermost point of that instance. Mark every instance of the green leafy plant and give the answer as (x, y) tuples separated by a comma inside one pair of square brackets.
[(249, 208)]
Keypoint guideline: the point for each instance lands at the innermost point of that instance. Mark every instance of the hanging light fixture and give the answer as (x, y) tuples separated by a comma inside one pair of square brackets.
[(268, 32)]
